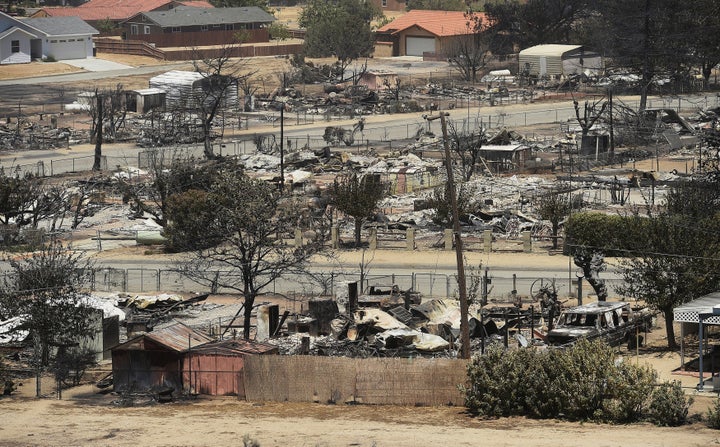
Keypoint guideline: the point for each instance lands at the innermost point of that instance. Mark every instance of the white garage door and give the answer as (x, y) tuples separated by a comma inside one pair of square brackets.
[(68, 49), (416, 46)]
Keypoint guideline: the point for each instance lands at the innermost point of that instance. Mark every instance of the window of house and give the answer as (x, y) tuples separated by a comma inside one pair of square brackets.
[(229, 27), (203, 27), (147, 30), (133, 29), (176, 29), (15, 46), (384, 3)]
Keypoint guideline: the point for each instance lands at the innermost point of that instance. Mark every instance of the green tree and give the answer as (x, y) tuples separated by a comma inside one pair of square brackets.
[(437, 5), (672, 256), (643, 37), (589, 237), (357, 196), (341, 29), (45, 290), (251, 225), (240, 3), (705, 47), (191, 221), (535, 22), (279, 31), (169, 174)]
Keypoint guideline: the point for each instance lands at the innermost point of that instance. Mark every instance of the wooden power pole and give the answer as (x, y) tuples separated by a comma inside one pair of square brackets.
[(462, 287)]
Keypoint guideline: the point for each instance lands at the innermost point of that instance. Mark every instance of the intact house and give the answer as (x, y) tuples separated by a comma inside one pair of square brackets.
[(58, 38), (557, 62), (430, 34), (390, 5), (100, 13), (186, 27)]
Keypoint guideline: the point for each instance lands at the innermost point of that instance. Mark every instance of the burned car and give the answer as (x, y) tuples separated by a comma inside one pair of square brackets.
[(615, 322)]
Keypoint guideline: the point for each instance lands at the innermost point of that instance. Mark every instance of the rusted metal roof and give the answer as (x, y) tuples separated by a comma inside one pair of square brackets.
[(236, 348), (176, 337), (179, 337)]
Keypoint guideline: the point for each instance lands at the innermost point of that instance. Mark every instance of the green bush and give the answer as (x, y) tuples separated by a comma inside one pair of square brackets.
[(713, 415), (668, 405), (584, 382)]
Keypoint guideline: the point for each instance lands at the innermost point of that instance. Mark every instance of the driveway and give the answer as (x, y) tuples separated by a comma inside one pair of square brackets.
[(95, 64)]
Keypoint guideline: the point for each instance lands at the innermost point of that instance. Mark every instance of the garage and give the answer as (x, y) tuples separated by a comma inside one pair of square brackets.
[(416, 46), (61, 49)]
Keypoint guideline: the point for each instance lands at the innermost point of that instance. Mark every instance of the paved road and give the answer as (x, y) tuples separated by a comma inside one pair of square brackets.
[(431, 273)]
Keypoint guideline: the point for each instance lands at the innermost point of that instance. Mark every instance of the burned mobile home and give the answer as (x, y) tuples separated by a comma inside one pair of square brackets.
[(615, 322)]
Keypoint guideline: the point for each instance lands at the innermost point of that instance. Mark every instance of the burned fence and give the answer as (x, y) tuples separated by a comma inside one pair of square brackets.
[(379, 381), (429, 284)]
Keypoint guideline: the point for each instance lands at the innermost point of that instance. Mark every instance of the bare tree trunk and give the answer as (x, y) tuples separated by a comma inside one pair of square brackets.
[(358, 228), (669, 328), (247, 314), (98, 135), (208, 146)]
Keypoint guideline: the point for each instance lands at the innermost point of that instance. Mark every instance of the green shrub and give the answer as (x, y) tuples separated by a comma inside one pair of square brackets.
[(668, 405), (584, 382), (713, 415), (627, 393)]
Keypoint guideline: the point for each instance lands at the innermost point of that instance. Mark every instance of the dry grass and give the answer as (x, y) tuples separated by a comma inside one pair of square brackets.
[(34, 69)]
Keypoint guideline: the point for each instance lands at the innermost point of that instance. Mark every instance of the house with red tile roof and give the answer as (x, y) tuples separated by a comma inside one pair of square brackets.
[(423, 32), (94, 12)]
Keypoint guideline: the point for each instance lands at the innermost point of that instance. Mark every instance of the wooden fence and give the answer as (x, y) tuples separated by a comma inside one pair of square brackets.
[(379, 381), (141, 48)]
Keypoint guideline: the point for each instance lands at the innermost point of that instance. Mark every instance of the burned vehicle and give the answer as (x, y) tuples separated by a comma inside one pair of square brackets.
[(614, 322)]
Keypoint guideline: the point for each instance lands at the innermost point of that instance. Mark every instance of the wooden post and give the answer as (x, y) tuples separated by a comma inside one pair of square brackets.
[(410, 237), (448, 239), (487, 241), (462, 287)]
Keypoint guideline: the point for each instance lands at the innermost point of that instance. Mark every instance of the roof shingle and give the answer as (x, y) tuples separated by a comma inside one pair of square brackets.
[(439, 23)]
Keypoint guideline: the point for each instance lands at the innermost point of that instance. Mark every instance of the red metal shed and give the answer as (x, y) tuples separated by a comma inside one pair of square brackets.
[(216, 368), (154, 359)]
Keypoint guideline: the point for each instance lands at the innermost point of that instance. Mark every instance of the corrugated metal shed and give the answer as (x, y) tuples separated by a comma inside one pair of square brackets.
[(217, 368), (179, 87), (558, 60)]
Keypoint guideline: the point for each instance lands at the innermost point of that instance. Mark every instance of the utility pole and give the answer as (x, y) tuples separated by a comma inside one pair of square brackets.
[(462, 286), (100, 99), (282, 147)]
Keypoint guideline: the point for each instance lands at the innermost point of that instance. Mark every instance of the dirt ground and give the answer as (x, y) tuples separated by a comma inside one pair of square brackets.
[(84, 417)]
